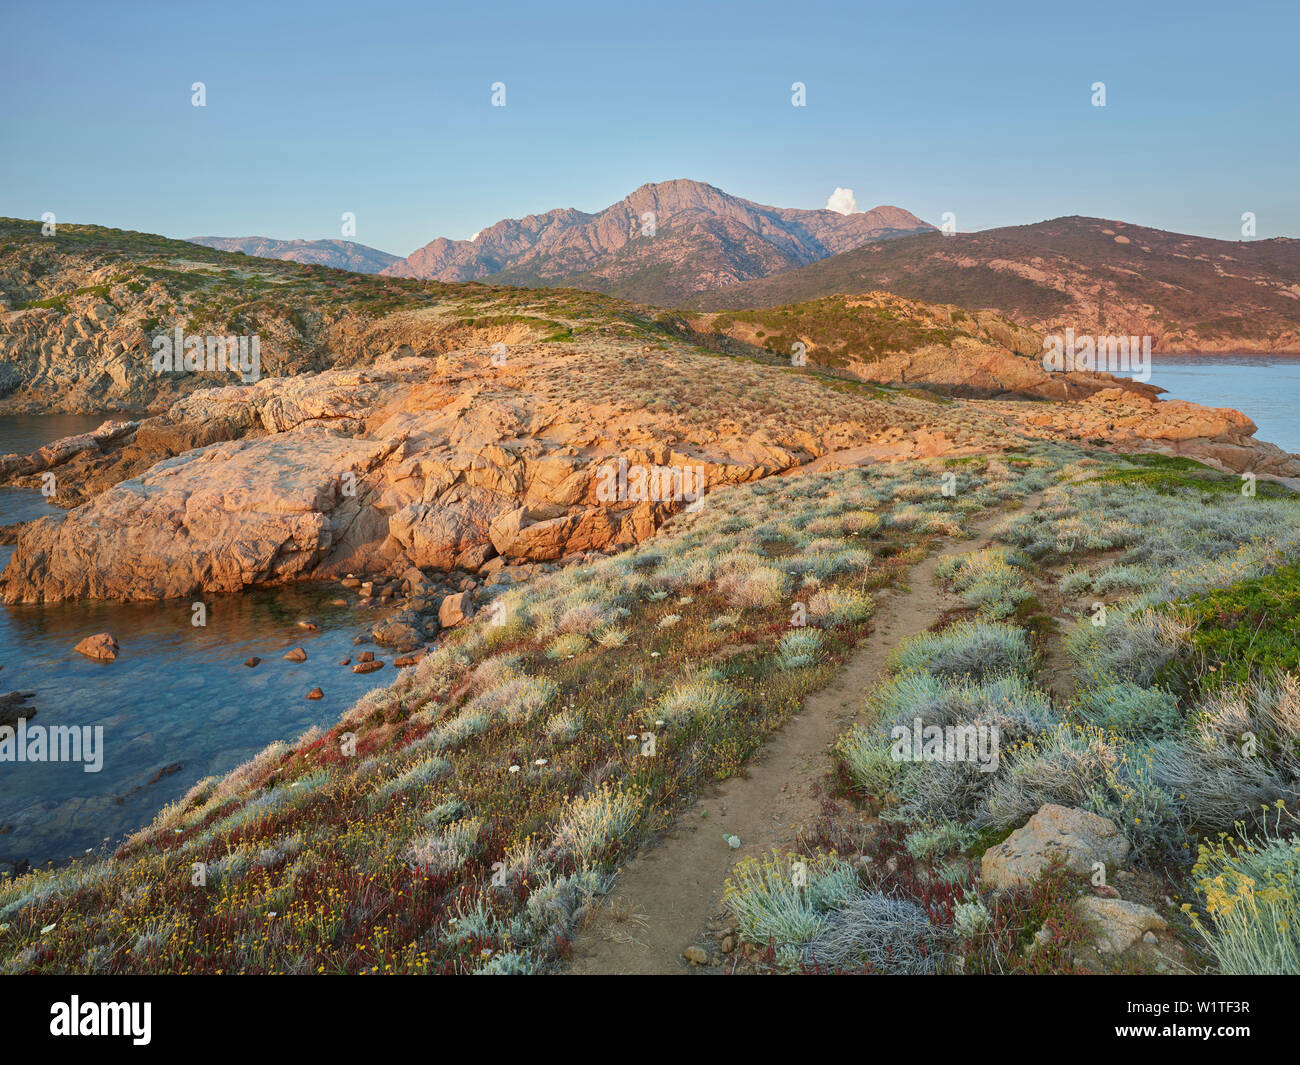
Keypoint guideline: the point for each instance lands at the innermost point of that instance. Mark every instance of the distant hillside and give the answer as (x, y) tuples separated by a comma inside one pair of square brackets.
[(1102, 277), (342, 254), (887, 339), (703, 238)]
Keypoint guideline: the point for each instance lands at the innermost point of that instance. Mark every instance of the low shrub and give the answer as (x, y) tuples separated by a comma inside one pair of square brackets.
[(1250, 891), (973, 649)]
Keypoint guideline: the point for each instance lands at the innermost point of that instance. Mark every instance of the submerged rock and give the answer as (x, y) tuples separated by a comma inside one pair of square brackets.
[(14, 706), (398, 632)]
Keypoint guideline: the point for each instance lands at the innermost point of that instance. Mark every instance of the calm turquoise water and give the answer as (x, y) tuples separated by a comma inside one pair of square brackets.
[(176, 694), (1266, 388)]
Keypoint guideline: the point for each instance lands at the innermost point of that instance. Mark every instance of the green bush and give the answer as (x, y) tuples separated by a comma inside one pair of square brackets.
[(1129, 707), (1240, 631)]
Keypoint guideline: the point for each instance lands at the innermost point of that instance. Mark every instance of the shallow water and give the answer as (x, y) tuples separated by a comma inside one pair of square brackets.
[(1266, 388), (176, 694)]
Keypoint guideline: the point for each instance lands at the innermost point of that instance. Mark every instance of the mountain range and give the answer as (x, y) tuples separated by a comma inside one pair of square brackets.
[(661, 244), (685, 244), (343, 254)]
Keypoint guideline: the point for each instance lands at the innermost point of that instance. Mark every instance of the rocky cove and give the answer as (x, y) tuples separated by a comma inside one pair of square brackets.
[(179, 702)]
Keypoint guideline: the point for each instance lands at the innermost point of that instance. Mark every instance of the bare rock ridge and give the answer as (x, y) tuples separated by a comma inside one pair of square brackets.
[(703, 238), (1217, 436), (444, 462), (886, 339), (451, 462)]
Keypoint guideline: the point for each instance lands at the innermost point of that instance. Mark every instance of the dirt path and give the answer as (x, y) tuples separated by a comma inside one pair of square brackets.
[(668, 893)]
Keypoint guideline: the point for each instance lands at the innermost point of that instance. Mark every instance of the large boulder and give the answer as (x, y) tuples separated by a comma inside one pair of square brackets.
[(219, 518), (398, 632), (1080, 837), (455, 609)]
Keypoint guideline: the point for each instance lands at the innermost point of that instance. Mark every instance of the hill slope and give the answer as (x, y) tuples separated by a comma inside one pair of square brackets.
[(703, 238), (1100, 277)]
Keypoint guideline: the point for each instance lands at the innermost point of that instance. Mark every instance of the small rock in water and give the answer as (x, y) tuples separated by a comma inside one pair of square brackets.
[(254, 661), (102, 647), (308, 624), (346, 662), (296, 655), (367, 656), (315, 693), (13, 707), (367, 667)]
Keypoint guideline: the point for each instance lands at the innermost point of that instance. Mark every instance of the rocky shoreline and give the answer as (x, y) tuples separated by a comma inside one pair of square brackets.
[(445, 466)]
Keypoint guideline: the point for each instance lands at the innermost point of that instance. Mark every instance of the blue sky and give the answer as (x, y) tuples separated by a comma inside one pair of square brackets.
[(384, 110)]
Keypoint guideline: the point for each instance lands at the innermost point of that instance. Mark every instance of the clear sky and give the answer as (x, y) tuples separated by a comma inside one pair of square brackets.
[(384, 110)]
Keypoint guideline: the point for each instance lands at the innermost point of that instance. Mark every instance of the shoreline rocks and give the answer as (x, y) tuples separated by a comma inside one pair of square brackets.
[(374, 475)]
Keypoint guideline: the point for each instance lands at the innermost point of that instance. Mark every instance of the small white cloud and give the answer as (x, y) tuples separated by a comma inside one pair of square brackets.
[(844, 202), (475, 236)]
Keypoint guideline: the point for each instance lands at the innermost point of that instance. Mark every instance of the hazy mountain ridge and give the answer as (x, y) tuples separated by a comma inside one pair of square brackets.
[(341, 254)]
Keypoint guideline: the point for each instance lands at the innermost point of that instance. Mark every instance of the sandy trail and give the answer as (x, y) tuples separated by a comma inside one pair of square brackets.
[(668, 893)]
